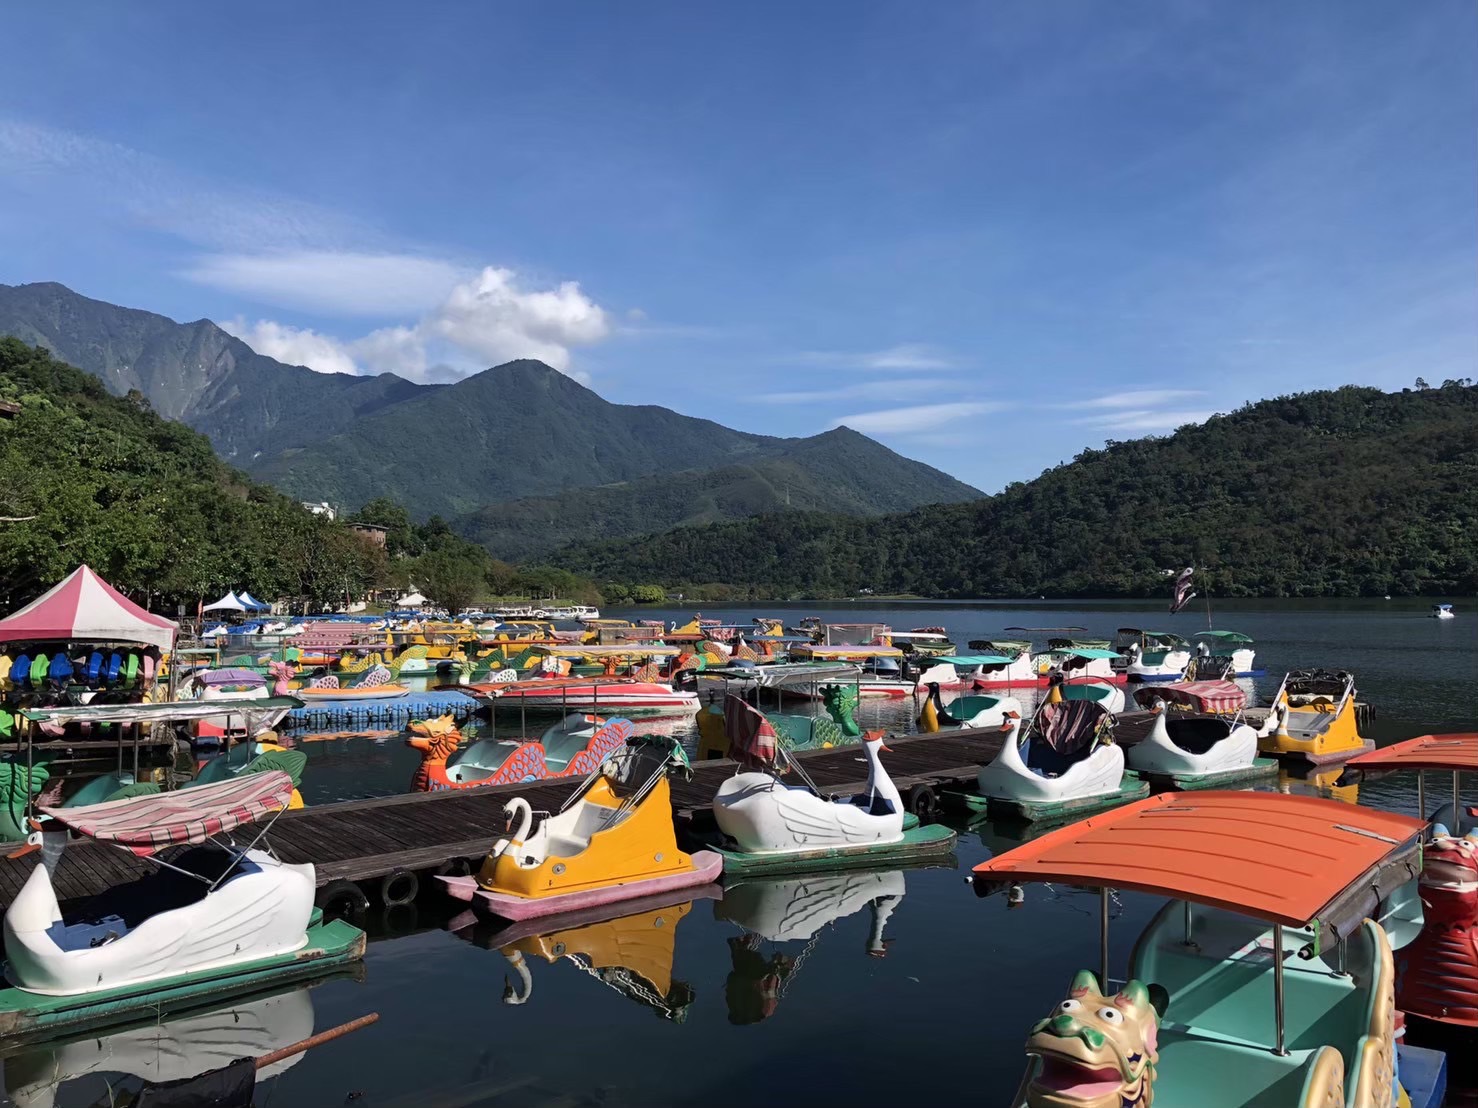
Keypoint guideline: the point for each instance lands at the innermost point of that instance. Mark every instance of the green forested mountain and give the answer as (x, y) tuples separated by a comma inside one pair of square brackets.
[(839, 471), (86, 476), (523, 429), (1345, 492), (246, 404), (511, 433)]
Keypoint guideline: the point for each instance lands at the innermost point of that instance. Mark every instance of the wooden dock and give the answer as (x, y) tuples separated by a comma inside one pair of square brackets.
[(369, 840)]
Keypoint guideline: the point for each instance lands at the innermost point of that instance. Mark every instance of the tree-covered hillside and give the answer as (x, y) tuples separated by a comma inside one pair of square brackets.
[(86, 476), (1337, 493)]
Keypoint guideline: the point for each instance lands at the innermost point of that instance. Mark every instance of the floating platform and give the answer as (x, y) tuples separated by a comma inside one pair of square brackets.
[(324, 714), (919, 844), (1261, 769), (395, 837), (1134, 787), (25, 1016)]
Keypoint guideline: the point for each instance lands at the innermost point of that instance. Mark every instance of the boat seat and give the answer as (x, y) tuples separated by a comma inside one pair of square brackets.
[(593, 818), (87, 934), (1047, 762), (1197, 734), (1190, 1064)]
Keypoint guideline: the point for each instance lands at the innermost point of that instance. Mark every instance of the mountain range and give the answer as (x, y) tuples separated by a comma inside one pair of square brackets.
[(519, 456), (1344, 492)]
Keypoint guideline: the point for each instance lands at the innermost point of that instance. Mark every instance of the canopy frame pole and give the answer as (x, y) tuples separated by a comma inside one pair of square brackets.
[(1185, 911), (1457, 811), (1103, 936), (1281, 1050), (1421, 793)]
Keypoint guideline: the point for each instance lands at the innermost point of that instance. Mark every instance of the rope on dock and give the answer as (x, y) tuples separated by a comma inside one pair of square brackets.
[(360, 713)]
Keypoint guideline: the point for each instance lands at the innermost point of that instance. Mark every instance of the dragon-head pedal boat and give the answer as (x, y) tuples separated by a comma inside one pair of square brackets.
[(1265, 980), (219, 919), (612, 840)]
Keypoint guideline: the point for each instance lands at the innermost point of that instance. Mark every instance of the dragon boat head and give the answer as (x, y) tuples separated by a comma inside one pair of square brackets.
[(1097, 1051), (1449, 880), (435, 735)]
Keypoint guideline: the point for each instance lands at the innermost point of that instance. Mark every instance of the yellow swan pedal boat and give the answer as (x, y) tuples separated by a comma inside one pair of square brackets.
[(612, 841), (1314, 718)]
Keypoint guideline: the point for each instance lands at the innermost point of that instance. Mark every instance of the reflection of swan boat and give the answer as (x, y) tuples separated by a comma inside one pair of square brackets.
[(612, 840), (632, 954), (1265, 979), (173, 1049), (775, 826), (795, 909)]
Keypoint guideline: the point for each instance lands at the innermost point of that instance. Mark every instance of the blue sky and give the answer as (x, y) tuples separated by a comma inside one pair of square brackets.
[(988, 234)]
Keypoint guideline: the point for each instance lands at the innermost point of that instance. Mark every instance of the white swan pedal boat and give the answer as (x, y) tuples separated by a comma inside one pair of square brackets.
[(214, 920), (772, 827), (1199, 739)]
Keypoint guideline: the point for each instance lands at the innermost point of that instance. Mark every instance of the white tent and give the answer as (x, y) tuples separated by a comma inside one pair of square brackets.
[(249, 601), (414, 600), (227, 603)]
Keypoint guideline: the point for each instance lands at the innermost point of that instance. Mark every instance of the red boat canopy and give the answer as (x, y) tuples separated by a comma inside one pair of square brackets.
[(85, 608), (145, 824), (1427, 752), (1201, 696), (1294, 860)]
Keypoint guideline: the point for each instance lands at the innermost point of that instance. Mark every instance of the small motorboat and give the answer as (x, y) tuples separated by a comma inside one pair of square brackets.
[(1263, 980), (1443, 611), (591, 694), (612, 840), (1315, 718), (1151, 655), (1199, 739), (215, 920), (774, 826), (976, 710), (1064, 763)]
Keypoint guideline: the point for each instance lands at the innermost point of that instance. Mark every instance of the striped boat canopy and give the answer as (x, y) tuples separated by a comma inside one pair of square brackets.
[(145, 824), (1202, 696)]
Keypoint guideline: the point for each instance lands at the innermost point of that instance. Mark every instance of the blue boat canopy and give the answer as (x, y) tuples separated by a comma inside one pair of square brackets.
[(1088, 652)]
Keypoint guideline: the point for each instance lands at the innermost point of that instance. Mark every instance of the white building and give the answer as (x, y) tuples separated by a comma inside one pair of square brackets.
[(322, 508)]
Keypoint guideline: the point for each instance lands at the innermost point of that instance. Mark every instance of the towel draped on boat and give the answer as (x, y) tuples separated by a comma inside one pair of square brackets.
[(751, 735), (1068, 726)]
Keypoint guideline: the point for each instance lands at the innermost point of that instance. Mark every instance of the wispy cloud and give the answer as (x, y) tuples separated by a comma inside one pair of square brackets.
[(908, 355), (910, 421), (1147, 421), (901, 389), (333, 282), (1139, 398)]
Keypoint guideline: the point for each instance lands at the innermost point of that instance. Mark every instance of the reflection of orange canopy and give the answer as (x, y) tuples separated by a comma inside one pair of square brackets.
[(1427, 752), (1276, 857)]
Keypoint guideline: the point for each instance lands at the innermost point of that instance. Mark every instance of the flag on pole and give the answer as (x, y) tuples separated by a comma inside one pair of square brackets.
[(1183, 593)]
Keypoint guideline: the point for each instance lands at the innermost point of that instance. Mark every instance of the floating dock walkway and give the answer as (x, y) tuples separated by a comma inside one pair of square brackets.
[(324, 714), (380, 841)]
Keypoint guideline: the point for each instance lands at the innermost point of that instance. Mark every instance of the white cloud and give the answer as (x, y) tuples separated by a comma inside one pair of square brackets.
[(334, 282), (293, 345), (906, 388), (908, 421), (492, 317), (908, 355), (1142, 398), (480, 322), (1147, 421)]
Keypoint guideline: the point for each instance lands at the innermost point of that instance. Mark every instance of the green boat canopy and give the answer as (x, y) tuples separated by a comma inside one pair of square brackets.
[(1224, 636), (165, 712), (1088, 652), (974, 659)]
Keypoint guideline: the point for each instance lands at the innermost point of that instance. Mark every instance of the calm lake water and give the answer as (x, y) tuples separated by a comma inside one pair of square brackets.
[(860, 988)]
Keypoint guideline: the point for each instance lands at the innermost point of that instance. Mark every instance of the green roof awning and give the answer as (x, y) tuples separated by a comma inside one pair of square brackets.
[(1088, 652), (974, 659)]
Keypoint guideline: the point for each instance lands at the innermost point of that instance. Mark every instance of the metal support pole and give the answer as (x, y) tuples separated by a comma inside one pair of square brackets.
[(1421, 794), (1103, 929), (1186, 917), (1280, 1050), (1457, 812), (1340, 958)]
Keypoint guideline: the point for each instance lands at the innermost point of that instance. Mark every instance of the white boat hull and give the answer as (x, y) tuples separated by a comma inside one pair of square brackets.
[(1010, 778), (256, 914), (1159, 752), (764, 816)]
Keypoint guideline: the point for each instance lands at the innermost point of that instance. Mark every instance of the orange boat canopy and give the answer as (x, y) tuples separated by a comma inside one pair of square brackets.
[(1300, 861), (1427, 752)]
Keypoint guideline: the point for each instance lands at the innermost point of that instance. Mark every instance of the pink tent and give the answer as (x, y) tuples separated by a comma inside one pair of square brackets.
[(85, 608)]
